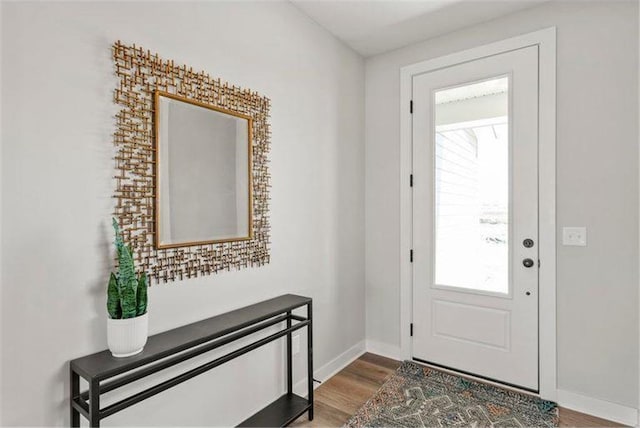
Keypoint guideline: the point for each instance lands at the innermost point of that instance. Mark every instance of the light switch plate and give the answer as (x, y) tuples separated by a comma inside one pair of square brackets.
[(575, 236)]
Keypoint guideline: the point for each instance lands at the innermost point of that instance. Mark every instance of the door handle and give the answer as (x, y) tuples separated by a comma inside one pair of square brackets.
[(527, 263)]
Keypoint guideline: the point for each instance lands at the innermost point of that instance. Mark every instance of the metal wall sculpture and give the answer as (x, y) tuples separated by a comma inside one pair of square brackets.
[(140, 74)]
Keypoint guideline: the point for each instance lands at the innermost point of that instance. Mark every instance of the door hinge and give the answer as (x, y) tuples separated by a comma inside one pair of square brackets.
[(411, 106), (410, 180), (411, 256), (411, 329), (538, 263)]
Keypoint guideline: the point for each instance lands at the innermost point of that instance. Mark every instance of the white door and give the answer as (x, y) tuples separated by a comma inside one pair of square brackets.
[(475, 217)]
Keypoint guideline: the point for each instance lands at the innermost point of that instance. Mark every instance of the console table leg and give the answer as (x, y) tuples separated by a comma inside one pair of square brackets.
[(94, 403), (74, 392), (310, 358), (289, 357)]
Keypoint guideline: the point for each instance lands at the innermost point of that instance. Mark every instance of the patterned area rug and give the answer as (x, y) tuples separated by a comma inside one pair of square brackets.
[(417, 396)]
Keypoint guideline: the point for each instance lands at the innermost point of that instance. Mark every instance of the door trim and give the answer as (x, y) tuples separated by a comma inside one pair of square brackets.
[(546, 41)]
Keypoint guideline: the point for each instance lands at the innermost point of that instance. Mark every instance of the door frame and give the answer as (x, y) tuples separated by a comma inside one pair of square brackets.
[(546, 41)]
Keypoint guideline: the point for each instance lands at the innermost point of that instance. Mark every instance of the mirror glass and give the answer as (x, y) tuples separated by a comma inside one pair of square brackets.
[(203, 179)]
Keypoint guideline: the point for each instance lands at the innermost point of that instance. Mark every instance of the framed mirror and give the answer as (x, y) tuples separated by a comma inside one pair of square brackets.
[(203, 170)]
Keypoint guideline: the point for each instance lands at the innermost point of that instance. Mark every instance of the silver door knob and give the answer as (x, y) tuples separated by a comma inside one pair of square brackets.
[(527, 263)]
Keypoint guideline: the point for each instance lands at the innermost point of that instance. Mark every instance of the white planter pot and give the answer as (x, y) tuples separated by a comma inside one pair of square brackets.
[(127, 337)]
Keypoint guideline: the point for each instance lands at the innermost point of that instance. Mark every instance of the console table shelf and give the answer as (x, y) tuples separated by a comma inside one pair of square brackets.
[(175, 346)]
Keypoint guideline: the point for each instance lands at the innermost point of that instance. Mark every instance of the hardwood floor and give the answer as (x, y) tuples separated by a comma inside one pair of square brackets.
[(342, 395)]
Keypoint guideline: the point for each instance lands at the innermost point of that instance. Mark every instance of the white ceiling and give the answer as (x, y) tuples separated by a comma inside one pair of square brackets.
[(371, 27)]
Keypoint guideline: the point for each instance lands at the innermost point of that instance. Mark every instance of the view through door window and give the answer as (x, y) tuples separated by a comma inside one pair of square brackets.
[(472, 186)]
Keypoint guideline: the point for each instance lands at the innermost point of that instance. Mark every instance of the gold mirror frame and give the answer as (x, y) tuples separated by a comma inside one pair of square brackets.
[(156, 100), (140, 74)]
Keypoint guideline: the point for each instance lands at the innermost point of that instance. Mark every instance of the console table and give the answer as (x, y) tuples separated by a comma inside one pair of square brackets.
[(172, 347)]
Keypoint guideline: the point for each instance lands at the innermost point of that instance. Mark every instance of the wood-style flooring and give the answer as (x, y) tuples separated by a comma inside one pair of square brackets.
[(342, 395)]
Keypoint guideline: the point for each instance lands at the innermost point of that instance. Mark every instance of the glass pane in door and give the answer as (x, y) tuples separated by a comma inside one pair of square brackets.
[(472, 186)]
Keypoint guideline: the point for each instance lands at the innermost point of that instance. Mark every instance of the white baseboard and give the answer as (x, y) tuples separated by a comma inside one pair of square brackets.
[(599, 408), (332, 367), (385, 350)]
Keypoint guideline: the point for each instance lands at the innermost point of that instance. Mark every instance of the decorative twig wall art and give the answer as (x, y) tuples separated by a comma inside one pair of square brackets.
[(141, 73)]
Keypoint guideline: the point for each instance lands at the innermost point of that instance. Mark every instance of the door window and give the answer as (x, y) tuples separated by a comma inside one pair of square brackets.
[(472, 186)]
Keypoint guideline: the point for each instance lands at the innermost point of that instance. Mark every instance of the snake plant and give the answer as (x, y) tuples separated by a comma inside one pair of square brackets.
[(126, 294)]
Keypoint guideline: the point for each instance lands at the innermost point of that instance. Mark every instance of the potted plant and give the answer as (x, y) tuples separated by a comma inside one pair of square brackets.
[(128, 323)]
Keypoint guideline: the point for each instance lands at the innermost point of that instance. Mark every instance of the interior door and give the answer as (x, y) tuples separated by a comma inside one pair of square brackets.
[(475, 217)]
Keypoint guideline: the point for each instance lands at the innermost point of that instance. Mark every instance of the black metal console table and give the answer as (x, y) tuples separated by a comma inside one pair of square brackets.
[(172, 347)]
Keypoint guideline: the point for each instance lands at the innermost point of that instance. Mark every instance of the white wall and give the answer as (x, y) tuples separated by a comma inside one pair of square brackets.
[(1, 347), (58, 112), (597, 186)]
